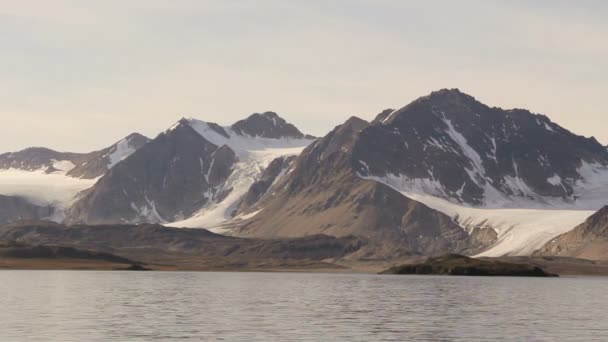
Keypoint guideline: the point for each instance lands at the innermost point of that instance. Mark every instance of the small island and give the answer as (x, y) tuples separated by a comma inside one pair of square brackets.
[(455, 264)]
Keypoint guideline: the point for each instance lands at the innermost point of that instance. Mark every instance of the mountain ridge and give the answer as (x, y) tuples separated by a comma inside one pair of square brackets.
[(445, 173)]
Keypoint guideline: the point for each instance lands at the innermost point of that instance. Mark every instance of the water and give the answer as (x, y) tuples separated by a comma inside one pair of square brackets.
[(159, 306)]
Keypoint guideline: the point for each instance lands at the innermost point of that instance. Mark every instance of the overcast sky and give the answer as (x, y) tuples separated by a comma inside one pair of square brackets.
[(79, 75)]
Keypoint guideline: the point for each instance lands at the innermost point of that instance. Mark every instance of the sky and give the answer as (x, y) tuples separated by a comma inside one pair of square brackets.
[(80, 75)]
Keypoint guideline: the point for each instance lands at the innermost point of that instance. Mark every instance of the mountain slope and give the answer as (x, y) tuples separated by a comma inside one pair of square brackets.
[(588, 240), (170, 176), (322, 194)]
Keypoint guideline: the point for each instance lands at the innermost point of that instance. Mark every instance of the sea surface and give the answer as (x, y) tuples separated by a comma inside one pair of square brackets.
[(206, 306)]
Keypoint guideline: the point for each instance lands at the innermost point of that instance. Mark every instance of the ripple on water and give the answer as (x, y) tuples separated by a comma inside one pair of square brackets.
[(150, 306)]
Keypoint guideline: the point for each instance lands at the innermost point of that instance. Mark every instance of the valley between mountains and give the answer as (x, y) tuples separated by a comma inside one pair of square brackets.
[(444, 174)]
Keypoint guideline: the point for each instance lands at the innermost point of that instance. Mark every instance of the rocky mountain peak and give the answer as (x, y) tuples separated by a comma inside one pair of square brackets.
[(267, 125)]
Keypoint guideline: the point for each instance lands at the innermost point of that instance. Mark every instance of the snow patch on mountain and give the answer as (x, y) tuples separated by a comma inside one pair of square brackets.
[(148, 212), (254, 154), (55, 189), (243, 144), (554, 180), (217, 215), (62, 166), (121, 150), (520, 231)]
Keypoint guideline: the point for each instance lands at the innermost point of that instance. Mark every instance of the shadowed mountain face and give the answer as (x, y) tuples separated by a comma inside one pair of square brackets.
[(169, 178), (587, 241), (450, 145), (79, 165)]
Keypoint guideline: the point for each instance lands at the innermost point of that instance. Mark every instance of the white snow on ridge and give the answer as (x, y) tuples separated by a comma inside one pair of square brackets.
[(242, 145)]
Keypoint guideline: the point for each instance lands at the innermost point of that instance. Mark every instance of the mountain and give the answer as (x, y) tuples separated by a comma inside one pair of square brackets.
[(172, 175), (79, 165), (476, 177), (588, 240), (194, 174), (39, 183), (511, 170), (450, 145)]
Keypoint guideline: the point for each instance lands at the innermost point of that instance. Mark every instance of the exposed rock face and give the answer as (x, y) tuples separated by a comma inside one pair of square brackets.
[(323, 195), (587, 241), (267, 125), (167, 179), (16, 208), (80, 165), (450, 145)]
